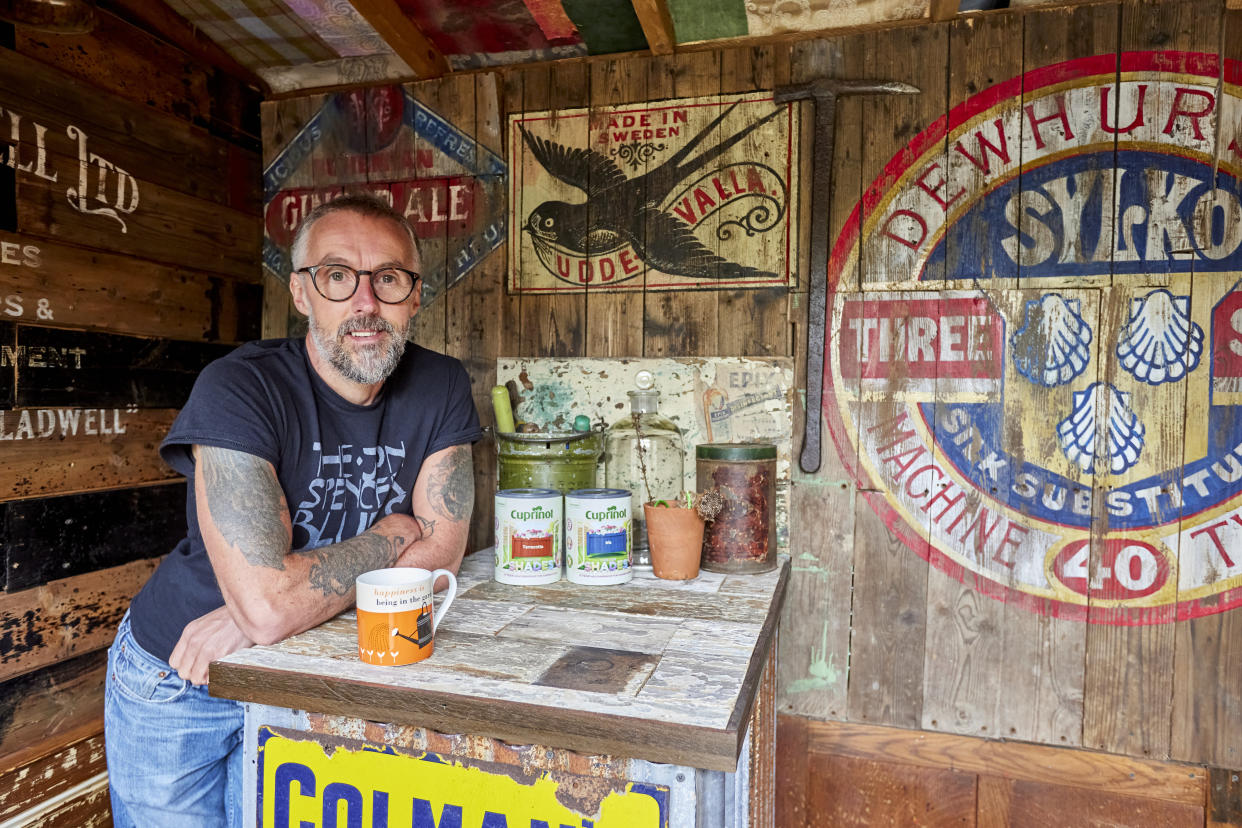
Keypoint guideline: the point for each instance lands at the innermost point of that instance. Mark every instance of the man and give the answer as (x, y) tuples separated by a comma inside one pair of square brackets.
[(309, 462)]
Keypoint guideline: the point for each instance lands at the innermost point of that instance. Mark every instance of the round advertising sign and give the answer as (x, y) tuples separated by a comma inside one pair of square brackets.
[(1036, 368)]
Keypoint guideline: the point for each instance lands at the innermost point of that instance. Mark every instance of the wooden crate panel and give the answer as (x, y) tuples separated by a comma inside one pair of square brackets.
[(29, 784), (45, 102), (53, 451), (57, 367), (58, 537), (66, 697), (90, 810), (49, 283), (107, 207), (48, 624)]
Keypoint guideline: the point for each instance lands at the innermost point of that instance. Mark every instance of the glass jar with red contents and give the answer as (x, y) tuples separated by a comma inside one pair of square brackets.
[(742, 538)]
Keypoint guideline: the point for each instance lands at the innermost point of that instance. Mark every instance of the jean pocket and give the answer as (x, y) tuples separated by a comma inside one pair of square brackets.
[(141, 676)]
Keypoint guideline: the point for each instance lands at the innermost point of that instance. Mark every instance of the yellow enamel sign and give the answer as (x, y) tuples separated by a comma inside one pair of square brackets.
[(302, 784)]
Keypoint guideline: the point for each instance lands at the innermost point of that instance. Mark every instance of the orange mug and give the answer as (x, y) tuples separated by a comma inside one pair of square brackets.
[(395, 620)]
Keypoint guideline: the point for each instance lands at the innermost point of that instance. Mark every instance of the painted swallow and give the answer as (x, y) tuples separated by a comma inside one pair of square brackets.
[(621, 210)]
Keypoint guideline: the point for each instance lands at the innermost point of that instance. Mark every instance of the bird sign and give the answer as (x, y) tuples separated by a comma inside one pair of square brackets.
[(692, 193)]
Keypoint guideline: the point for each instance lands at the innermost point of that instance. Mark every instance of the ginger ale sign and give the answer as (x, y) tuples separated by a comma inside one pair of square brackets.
[(1039, 384), (692, 193)]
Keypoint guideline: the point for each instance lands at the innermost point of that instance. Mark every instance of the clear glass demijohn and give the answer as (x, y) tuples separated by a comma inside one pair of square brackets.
[(645, 454)]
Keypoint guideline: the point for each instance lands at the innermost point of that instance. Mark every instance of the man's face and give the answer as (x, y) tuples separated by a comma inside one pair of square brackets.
[(362, 338)]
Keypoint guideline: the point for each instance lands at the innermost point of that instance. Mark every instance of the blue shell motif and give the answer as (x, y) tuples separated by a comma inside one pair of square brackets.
[(1102, 411), (1160, 343), (1054, 343)]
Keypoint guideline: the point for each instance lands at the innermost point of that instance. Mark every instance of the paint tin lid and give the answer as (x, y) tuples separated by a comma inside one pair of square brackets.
[(735, 451), (528, 493), (598, 493)]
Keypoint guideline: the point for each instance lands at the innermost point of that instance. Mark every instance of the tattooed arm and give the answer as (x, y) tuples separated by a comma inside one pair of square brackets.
[(271, 592), (443, 503)]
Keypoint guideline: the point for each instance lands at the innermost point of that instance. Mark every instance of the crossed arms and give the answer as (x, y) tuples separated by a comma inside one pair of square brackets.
[(271, 592)]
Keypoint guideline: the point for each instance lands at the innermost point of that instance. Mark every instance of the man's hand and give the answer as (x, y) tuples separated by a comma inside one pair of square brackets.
[(204, 640)]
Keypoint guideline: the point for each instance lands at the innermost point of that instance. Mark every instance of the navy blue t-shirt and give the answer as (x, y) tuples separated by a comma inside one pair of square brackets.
[(341, 466)]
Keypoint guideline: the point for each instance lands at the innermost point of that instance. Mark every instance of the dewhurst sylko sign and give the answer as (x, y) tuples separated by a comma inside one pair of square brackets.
[(1039, 384)]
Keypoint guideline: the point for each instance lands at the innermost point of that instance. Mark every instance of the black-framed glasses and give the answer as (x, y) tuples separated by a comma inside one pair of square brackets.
[(338, 282)]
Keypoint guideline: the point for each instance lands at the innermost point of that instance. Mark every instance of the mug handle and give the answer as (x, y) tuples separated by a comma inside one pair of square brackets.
[(448, 596)]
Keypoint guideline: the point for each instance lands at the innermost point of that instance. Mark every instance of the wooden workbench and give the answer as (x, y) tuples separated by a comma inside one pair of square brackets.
[(654, 682)]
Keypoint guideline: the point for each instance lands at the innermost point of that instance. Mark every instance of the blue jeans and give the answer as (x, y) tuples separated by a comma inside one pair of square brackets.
[(174, 752)]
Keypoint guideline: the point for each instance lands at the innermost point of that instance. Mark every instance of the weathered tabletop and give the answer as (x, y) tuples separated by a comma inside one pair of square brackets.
[(657, 670)]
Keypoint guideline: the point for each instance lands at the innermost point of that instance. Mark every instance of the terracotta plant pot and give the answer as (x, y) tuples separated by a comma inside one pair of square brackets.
[(675, 535)]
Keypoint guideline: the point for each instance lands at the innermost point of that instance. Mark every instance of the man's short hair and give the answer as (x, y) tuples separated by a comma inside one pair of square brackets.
[(363, 204)]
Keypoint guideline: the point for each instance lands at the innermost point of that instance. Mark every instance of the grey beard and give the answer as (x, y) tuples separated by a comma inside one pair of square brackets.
[(370, 365)]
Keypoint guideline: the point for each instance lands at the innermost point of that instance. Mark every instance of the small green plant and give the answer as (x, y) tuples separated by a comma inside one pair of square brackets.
[(708, 504)]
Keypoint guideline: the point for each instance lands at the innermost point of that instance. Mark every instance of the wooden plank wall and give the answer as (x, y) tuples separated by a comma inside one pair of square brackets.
[(873, 635), (106, 316)]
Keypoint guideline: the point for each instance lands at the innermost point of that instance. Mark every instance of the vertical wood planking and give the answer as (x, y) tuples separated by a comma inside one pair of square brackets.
[(754, 322), (282, 120), (1224, 798), (890, 582), (815, 633), (473, 304), (815, 639), (965, 625), (487, 310), (511, 86), (1128, 690), (815, 648), (682, 323), (614, 318), (1207, 672), (430, 327), (554, 324), (1046, 703)]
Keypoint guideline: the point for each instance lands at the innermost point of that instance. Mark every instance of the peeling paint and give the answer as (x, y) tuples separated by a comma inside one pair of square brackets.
[(822, 672), (722, 399)]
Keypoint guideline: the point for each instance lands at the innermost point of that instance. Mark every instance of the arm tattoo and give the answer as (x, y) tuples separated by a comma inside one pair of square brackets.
[(451, 488), (428, 525), (246, 504), (335, 568)]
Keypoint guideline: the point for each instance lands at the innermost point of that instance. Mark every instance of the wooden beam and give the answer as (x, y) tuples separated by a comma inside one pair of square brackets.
[(406, 39), (657, 25), (161, 20), (1122, 775)]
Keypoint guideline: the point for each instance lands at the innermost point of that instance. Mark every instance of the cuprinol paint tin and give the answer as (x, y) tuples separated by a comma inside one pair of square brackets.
[(528, 536), (597, 536)]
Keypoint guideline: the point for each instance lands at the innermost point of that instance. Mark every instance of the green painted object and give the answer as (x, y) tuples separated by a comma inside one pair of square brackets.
[(606, 27), (696, 20), (561, 460)]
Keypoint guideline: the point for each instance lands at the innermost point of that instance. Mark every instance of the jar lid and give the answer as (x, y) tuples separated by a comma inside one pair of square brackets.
[(735, 451)]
